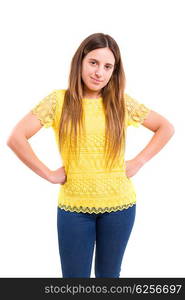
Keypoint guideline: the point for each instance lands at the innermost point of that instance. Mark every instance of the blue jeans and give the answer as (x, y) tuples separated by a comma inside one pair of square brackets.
[(79, 232)]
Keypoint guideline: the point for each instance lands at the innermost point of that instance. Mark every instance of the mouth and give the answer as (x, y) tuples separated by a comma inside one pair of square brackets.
[(96, 80)]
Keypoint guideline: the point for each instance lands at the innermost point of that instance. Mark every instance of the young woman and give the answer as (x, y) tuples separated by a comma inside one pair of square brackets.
[(97, 199)]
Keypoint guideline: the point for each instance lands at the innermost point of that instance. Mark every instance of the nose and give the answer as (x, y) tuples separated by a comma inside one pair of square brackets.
[(99, 72), (98, 76)]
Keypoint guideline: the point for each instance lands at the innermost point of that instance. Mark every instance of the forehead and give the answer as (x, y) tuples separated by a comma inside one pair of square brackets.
[(102, 54)]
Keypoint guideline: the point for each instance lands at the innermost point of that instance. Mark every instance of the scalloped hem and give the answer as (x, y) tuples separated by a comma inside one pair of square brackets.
[(94, 209)]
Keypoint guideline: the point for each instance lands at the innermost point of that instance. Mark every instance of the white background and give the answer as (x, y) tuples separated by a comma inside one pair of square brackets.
[(38, 40)]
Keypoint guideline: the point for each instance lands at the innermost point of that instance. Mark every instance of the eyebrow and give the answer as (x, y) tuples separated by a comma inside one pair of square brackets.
[(98, 61)]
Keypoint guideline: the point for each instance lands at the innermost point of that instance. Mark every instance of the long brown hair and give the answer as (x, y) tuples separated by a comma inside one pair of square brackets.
[(113, 100)]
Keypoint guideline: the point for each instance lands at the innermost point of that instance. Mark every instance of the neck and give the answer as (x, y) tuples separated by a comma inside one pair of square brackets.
[(91, 95)]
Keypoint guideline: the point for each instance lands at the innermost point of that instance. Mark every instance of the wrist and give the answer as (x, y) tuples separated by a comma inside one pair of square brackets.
[(48, 174), (140, 161)]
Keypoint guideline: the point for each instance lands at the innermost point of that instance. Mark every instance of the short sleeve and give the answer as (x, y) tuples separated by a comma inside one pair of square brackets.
[(45, 110), (136, 112)]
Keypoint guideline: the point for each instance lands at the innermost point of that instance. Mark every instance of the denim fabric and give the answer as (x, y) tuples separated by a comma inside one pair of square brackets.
[(78, 233)]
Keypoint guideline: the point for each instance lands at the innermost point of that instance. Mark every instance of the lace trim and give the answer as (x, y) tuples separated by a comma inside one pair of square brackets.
[(137, 112), (94, 209), (45, 109)]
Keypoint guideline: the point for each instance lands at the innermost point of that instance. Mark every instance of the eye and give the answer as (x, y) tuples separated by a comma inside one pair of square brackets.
[(94, 62)]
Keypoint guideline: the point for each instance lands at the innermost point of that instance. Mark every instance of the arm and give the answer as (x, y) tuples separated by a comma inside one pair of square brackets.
[(18, 142), (163, 131)]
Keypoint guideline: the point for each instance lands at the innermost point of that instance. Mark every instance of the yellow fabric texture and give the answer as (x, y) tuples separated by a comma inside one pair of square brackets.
[(90, 188)]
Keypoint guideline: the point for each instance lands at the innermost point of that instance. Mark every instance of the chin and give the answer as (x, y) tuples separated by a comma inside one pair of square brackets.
[(93, 88)]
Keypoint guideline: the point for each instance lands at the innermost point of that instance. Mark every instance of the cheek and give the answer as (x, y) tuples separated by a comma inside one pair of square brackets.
[(85, 72), (109, 77)]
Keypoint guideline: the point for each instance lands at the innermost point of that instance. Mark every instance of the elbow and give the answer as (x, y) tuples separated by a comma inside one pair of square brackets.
[(10, 141), (169, 127), (13, 140)]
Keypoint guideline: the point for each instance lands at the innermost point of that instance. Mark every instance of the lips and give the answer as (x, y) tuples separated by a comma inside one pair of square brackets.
[(96, 80)]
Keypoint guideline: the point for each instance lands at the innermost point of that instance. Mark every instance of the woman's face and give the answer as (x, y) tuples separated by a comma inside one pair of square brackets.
[(97, 64)]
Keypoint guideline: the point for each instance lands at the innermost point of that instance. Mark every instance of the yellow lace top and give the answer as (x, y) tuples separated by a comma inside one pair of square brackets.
[(89, 188)]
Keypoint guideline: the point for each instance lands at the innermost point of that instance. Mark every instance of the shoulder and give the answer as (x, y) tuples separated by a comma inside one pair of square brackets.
[(130, 102), (61, 91), (136, 110), (59, 103), (60, 95)]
